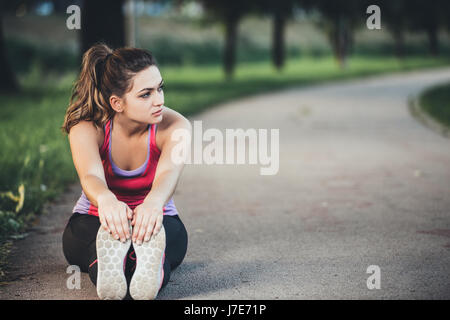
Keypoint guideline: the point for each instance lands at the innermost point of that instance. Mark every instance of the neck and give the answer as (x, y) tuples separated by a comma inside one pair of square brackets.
[(129, 128)]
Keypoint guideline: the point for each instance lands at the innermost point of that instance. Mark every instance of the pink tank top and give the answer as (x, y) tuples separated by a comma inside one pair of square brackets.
[(132, 186)]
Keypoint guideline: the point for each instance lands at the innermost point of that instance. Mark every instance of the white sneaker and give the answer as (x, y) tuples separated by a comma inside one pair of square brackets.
[(149, 274), (111, 257)]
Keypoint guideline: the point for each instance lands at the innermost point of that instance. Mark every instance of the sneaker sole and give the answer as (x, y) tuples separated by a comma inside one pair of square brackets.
[(147, 277), (111, 281)]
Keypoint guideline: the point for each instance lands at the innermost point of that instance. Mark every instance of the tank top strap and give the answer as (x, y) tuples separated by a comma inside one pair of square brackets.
[(107, 132), (153, 146)]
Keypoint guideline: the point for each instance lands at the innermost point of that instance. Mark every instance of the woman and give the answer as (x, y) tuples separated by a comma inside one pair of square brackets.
[(125, 228)]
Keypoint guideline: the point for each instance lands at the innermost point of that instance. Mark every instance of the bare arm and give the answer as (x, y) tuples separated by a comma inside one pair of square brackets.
[(168, 171), (148, 216), (84, 144)]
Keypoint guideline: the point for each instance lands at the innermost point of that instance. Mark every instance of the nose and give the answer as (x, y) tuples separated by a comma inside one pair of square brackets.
[(159, 99)]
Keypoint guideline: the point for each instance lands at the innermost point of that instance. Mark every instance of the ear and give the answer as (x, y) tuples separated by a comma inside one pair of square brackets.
[(116, 103)]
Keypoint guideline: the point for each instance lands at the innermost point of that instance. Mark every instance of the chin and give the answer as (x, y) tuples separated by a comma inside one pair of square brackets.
[(157, 119)]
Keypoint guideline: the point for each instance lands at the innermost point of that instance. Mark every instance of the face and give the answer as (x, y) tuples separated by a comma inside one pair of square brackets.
[(144, 102)]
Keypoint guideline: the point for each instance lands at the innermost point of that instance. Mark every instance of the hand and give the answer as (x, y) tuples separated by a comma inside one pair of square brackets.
[(114, 216), (147, 220)]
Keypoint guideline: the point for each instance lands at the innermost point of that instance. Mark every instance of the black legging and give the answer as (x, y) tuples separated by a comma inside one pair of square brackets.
[(79, 245)]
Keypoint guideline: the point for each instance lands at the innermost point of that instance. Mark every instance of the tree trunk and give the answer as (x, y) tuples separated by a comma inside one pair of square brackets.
[(231, 28), (432, 33), (8, 81), (341, 41), (102, 21), (278, 53), (399, 40)]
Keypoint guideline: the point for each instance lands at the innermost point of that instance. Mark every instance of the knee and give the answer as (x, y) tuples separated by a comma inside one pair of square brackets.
[(76, 251), (66, 245), (181, 248), (93, 273), (167, 269)]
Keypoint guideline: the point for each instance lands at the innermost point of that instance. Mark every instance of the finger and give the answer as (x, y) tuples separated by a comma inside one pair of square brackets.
[(124, 220), (133, 217), (158, 225), (118, 225), (103, 223), (133, 222), (129, 213), (112, 227), (142, 230), (136, 225), (150, 228)]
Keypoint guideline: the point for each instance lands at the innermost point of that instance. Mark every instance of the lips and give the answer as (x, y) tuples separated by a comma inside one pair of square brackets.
[(157, 112)]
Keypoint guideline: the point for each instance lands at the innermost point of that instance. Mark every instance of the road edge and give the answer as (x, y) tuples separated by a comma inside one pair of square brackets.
[(425, 118)]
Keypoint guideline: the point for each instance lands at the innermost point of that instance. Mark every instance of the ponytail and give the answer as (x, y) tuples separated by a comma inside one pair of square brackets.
[(104, 72)]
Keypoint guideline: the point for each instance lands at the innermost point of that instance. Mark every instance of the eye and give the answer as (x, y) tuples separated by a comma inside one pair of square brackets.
[(161, 88), (145, 95)]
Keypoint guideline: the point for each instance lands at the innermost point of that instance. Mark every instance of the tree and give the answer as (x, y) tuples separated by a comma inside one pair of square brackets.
[(393, 15), (340, 18), (8, 82), (229, 12), (428, 16), (280, 11), (102, 20)]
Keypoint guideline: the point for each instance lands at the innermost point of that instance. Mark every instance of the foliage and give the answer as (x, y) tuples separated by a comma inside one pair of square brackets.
[(436, 101)]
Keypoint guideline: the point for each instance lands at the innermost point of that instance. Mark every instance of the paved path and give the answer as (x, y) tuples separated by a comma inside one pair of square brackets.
[(360, 183)]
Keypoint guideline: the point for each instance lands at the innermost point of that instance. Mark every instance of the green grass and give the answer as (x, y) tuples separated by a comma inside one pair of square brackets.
[(36, 154), (436, 102), (192, 89)]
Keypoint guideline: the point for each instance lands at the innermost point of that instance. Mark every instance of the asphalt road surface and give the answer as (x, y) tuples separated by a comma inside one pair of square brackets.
[(360, 183)]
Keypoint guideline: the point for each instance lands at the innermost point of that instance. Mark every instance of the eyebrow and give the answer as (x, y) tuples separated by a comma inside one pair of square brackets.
[(162, 82)]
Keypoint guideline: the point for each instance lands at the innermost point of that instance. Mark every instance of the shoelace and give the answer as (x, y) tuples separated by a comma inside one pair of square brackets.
[(132, 256)]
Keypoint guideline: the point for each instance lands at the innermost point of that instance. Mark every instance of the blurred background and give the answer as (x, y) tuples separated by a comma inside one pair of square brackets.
[(208, 52)]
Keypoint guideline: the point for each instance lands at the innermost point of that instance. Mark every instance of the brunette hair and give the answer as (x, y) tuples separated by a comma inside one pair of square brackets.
[(104, 72)]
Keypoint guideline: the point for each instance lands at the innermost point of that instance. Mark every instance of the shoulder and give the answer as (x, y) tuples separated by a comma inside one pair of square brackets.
[(171, 121), (87, 130)]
